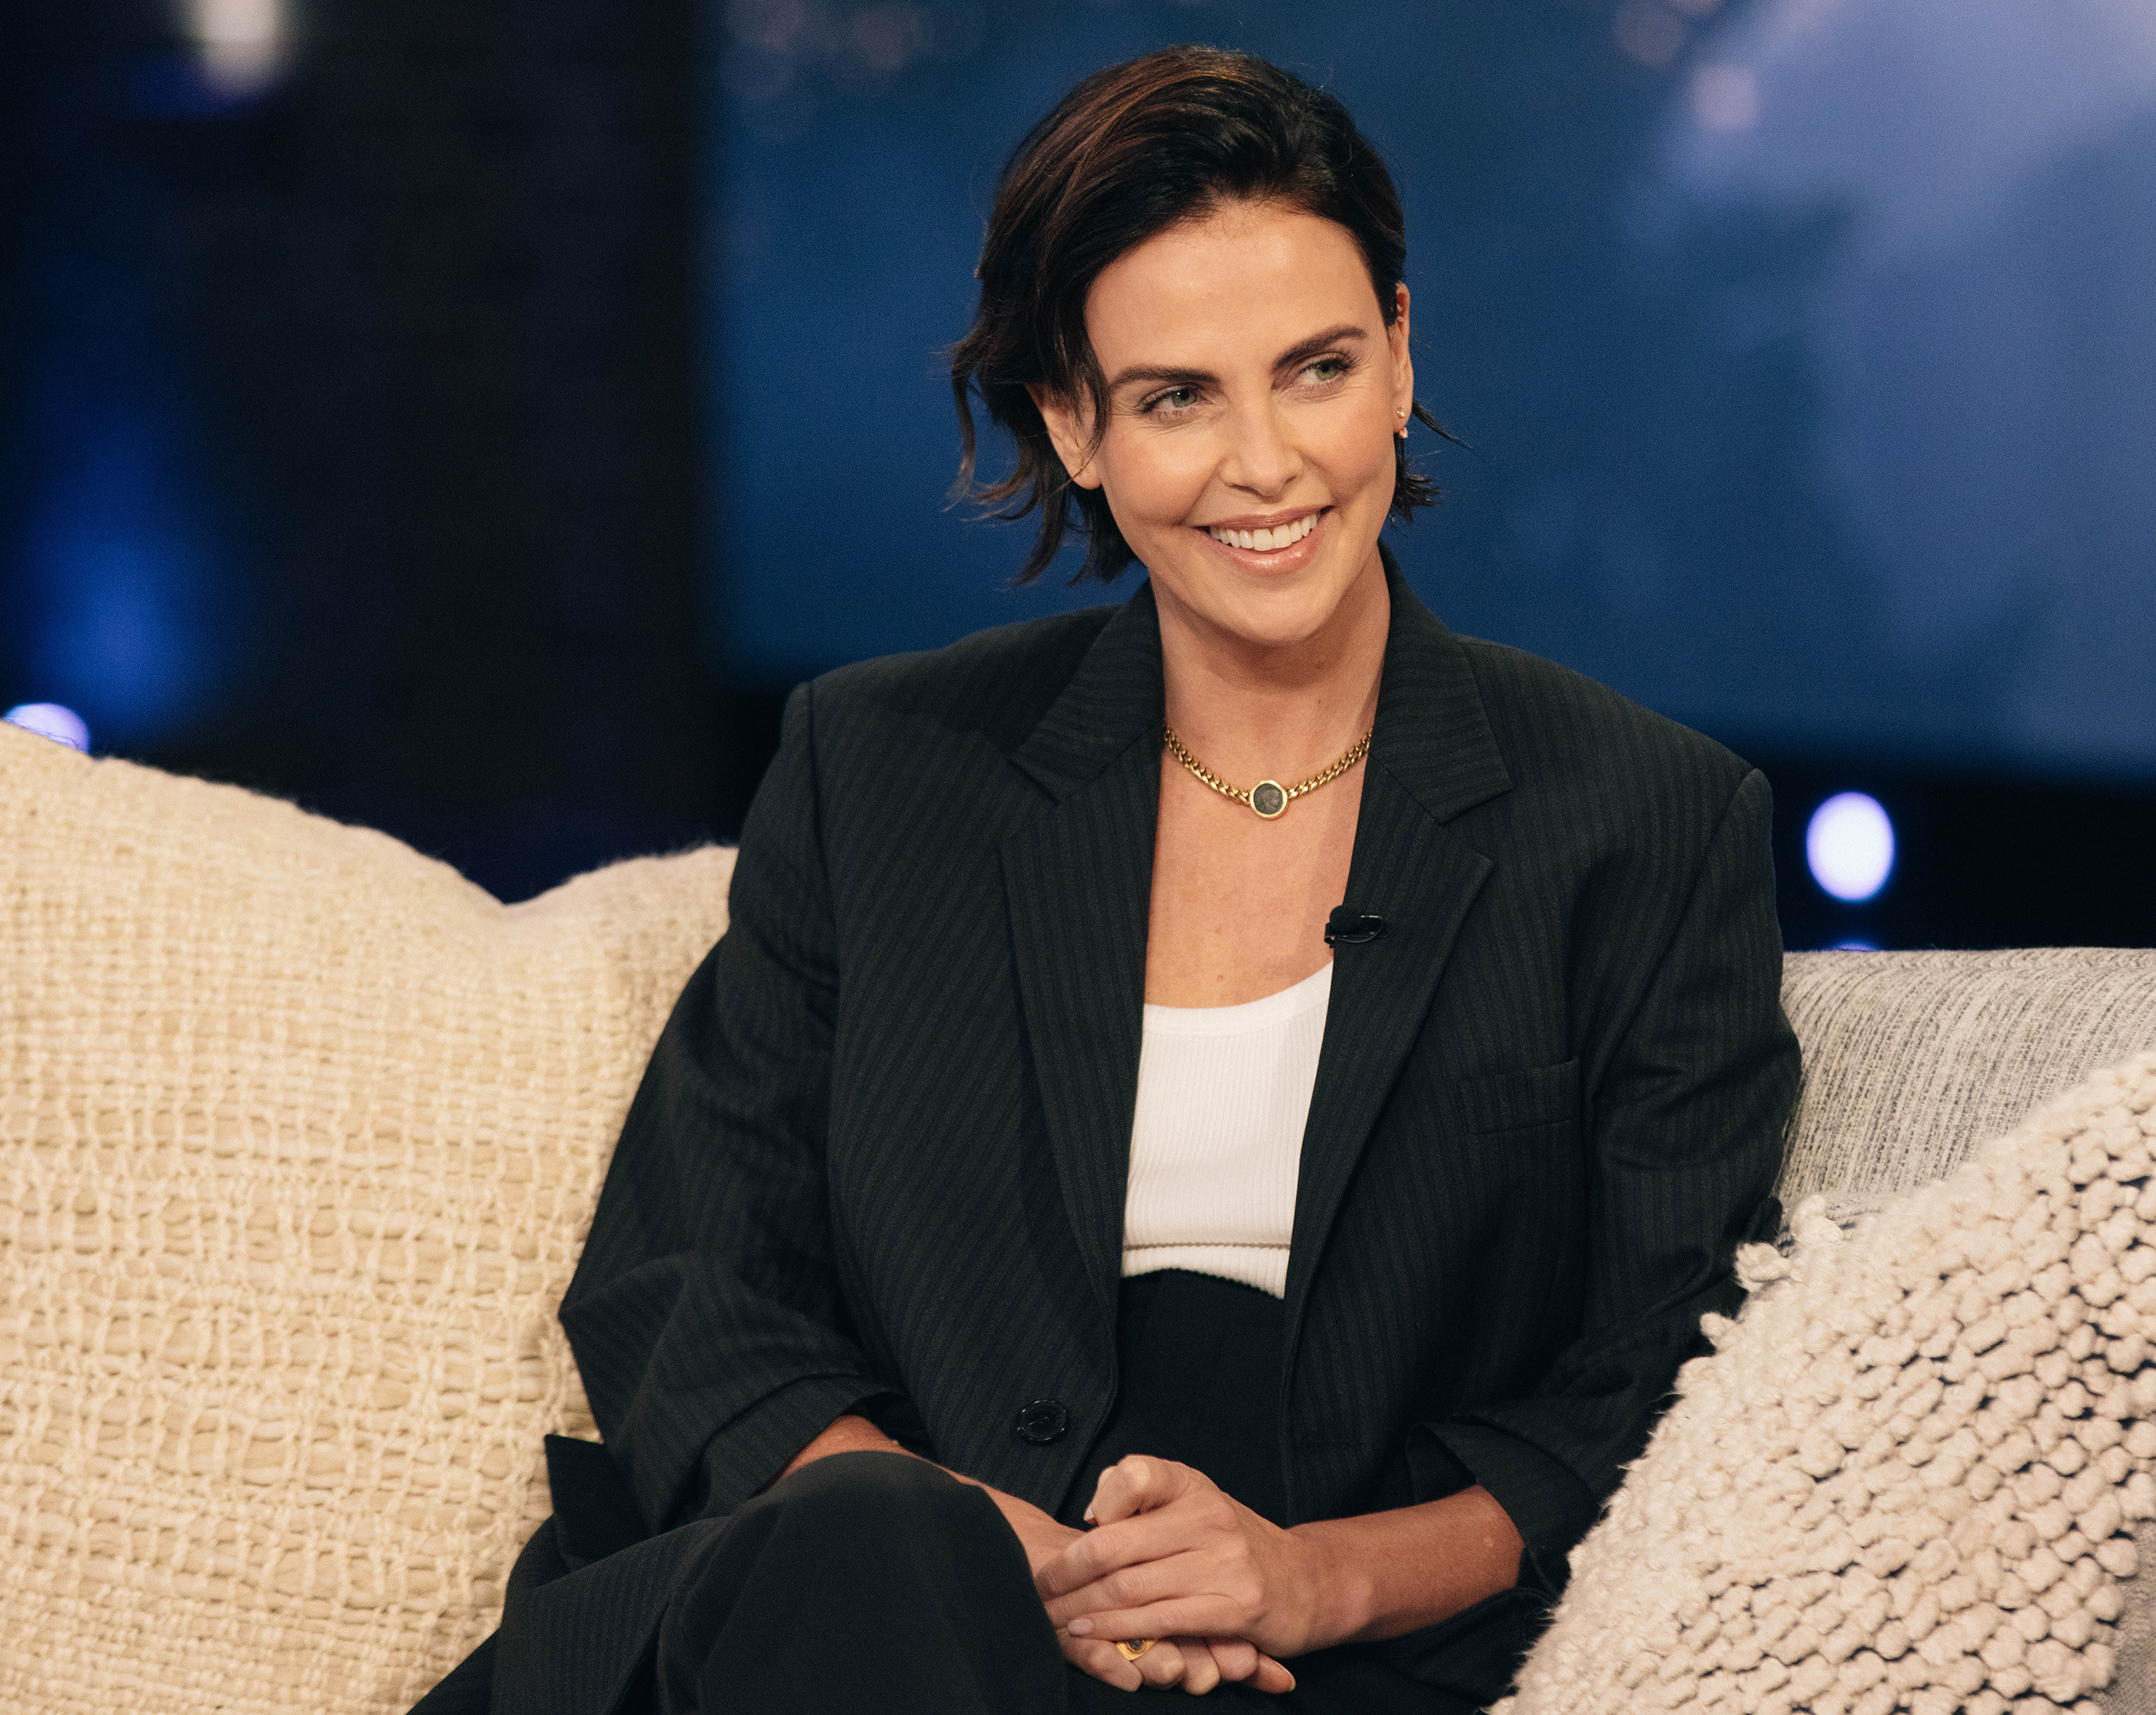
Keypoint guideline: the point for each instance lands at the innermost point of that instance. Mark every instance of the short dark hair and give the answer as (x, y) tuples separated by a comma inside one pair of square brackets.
[(1129, 152)]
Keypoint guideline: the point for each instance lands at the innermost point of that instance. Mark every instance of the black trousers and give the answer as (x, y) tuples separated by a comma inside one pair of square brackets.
[(868, 1581), (877, 1582)]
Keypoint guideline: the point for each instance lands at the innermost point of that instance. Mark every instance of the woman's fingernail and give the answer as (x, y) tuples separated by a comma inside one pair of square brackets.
[(1080, 1628), (1089, 1515)]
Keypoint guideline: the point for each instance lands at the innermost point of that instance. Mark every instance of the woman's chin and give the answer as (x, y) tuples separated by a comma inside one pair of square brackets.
[(1269, 620), (1268, 609)]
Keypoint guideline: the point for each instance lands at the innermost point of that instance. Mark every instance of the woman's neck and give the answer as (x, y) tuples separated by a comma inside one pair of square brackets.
[(1255, 711)]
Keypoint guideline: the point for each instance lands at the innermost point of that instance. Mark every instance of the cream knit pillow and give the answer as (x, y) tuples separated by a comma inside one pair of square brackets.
[(300, 1133), (1907, 1477)]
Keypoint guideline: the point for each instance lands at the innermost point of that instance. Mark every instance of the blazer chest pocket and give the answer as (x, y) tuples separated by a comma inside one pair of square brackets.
[(1519, 1101)]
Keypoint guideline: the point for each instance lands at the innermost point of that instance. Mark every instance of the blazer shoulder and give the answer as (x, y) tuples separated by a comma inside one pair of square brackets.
[(998, 682), (1559, 726)]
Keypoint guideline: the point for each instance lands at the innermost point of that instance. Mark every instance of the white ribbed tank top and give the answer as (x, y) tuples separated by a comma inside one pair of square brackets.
[(1223, 1093)]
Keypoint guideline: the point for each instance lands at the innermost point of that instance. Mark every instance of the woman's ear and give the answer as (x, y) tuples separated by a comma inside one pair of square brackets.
[(1067, 432), (1403, 363)]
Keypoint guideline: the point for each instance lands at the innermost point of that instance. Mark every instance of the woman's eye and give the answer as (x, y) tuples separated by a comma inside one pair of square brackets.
[(1174, 399), (1327, 369)]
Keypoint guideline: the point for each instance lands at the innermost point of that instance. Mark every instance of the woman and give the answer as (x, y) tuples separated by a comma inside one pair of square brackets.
[(1247, 1071)]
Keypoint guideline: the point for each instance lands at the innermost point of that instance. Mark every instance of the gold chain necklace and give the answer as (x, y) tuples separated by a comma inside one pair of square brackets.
[(1268, 798)]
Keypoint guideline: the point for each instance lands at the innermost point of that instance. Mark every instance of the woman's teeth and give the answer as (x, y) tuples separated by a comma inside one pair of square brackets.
[(1267, 541)]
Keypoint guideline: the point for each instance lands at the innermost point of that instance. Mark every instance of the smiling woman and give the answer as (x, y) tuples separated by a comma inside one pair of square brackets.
[(1119, 163), (1033, 1268), (1248, 433)]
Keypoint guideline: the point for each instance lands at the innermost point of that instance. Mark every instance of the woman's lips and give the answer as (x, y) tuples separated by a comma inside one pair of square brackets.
[(1302, 535)]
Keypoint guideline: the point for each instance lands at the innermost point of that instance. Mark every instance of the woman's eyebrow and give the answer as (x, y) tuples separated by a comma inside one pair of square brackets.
[(1309, 348), (1145, 372), (1301, 352)]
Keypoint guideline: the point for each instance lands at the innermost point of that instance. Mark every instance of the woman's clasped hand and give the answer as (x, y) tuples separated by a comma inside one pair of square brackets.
[(1225, 1591)]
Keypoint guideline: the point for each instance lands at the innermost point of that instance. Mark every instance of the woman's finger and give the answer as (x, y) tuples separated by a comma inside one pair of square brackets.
[(1198, 1615), (1199, 1517), (1146, 1587), (1136, 1483), (1198, 1664), (1201, 1670), (1163, 1665), (1084, 1561), (1103, 1660), (1234, 1660), (1272, 1677)]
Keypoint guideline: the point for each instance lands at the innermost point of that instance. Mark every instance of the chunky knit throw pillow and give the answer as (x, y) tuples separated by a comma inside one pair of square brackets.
[(1907, 1477), (299, 1135)]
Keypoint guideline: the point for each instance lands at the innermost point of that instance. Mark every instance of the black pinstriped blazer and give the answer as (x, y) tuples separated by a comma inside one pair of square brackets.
[(881, 1147)]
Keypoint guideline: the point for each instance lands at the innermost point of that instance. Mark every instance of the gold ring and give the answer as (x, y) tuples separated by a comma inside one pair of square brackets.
[(1134, 1647)]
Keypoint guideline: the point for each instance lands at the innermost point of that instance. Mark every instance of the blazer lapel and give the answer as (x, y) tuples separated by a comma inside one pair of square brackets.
[(1078, 883), (1432, 757)]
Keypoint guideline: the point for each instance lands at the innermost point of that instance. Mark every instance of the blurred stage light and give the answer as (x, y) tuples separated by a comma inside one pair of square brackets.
[(49, 721), (1849, 846), (244, 44), (1855, 947), (1649, 33), (1725, 98)]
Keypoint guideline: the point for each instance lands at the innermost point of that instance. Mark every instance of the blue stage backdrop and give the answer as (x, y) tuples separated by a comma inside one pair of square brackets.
[(1806, 349)]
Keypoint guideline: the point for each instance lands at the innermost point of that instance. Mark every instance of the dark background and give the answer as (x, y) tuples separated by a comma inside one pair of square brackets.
[(469, 418)]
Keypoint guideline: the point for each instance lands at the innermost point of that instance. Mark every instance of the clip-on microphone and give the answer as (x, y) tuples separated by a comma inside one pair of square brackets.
[(1348, 928)]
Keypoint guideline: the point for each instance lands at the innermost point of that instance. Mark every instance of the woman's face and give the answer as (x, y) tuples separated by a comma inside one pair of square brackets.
[(1255, 392)]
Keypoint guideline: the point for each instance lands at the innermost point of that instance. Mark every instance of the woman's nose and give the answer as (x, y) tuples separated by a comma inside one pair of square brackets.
[(1261, 456)]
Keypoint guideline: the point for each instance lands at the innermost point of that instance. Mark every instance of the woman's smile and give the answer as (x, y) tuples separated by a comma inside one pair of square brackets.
[(1282, 542)]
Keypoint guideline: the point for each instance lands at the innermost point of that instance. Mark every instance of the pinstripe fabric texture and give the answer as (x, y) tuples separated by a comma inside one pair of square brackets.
[(882, 1148)]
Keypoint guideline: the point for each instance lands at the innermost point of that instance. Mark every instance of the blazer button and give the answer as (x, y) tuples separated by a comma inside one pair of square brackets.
[(1042, 1421)]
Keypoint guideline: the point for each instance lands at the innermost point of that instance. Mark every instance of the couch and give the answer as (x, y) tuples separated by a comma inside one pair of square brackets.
[(300, 1131)]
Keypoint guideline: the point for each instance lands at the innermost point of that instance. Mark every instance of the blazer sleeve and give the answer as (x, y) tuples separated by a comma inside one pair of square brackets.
[(1685, 1121), (704, 1315)]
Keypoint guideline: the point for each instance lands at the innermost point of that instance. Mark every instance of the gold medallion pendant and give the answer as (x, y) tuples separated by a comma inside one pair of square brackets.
[(1268, 798)]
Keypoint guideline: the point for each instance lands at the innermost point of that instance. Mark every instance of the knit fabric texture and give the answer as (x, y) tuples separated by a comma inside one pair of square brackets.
[(1908, 1476), (1913, 1059), (2132, 1691), (298, 1135)]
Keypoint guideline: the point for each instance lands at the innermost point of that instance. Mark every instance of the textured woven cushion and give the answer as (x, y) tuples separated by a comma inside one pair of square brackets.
[(1913, 1059), (299, 1135), (1906, 1477)]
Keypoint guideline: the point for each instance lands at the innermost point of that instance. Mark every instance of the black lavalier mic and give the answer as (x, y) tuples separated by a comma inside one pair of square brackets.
[(1349, 928)]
